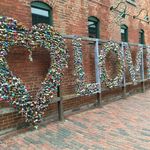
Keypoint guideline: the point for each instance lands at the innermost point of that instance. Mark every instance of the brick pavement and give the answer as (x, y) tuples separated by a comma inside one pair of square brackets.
[(122, 125)]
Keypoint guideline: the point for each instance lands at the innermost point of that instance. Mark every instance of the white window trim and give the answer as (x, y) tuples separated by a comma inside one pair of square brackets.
[(40, 12), (122, 30), (131, 2)]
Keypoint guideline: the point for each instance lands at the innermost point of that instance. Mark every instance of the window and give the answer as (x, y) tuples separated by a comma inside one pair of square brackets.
[(124, 33), (41, 13), (93, 27), (141, 37)]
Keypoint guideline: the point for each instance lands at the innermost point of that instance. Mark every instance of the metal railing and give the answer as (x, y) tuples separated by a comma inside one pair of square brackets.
[(124, 85)]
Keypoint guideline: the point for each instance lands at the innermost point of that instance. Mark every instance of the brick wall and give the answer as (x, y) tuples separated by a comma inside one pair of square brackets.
[(69, 17)]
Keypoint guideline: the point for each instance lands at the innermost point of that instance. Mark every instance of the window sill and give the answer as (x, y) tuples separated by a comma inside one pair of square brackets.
[(131, 2)]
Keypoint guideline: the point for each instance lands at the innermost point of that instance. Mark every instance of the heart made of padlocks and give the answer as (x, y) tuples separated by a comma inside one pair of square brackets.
[(12, 89)]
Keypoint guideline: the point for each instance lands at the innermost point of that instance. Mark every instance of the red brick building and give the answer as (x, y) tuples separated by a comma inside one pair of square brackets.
[(69, 17)]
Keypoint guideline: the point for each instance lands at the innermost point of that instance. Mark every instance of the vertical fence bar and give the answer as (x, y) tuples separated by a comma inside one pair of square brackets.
[(97, 72), (124, 88), (60, 105), (148, 61), (142, 72)]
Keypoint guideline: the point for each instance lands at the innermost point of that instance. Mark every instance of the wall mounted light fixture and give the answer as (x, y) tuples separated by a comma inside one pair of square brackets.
[(120, 8), (146, 17)]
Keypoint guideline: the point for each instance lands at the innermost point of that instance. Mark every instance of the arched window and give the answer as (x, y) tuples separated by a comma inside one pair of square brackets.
[(41, 13), (93, 27), (141, 37), (124, 33)]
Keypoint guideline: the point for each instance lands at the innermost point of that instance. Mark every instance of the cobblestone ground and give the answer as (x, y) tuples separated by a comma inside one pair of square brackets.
[(122, 125)]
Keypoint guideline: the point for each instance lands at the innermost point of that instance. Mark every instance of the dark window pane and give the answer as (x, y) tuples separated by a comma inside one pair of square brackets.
[(93, 27), (124, 33), (141, 37), (39, 19)]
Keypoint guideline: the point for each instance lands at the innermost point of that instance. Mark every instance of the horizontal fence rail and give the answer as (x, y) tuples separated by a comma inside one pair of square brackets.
[(99, 40)]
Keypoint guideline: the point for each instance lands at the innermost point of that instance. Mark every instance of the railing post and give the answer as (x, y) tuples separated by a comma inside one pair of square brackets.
[(148, 62), (97, 71), (142, 72), (60, 106), (124, 75)]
